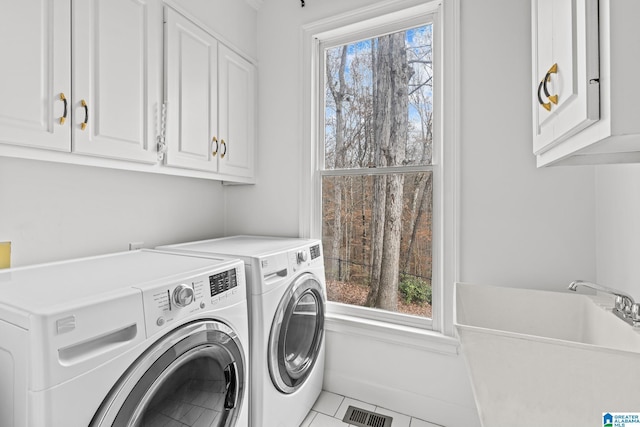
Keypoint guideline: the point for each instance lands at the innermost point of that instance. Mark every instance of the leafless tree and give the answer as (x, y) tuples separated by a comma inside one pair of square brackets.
[(338, 90), (378, 114)]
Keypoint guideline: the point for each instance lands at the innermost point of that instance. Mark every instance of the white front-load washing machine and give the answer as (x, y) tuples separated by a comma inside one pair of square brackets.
[(140, 338), (287, 296)]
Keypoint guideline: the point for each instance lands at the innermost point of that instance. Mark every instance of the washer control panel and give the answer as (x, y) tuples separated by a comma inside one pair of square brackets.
[(302, 256), (183, 295), (305, 257), (222, 282), (166, 304)]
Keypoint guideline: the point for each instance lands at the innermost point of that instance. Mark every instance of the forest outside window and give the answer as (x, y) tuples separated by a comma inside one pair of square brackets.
[(377, 173)]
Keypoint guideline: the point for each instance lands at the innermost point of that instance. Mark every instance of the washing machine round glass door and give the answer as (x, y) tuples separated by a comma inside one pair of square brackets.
[(192, 376), (296, 334)]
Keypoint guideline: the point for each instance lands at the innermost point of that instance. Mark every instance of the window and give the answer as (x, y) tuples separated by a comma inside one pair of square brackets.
[(377, 168)]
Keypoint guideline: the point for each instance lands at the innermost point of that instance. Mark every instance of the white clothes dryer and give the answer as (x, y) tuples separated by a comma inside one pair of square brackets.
[(140, 338), (287, 297)]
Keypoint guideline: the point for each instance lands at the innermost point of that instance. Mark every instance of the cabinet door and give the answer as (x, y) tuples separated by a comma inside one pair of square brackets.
[(35, 47), (237, 105), (565, 69), (117, 48), (191, 73)]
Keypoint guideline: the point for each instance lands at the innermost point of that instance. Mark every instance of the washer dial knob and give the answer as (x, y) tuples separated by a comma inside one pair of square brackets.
[(302, 256), (183, 295)]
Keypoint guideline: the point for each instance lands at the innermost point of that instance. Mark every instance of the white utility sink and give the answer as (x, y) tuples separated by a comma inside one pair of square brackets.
[(546, 358)]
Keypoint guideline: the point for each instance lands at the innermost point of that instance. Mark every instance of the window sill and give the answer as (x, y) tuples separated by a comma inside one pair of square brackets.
[(392, 333)]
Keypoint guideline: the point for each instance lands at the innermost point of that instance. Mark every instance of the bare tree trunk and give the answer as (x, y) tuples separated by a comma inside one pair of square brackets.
[(348, 230), (363, 215), (423, 193), (377, 237), (381, 133), (338, 94), (389, 270), (416, 200), (424, 200), (394, 152), (429, 210)]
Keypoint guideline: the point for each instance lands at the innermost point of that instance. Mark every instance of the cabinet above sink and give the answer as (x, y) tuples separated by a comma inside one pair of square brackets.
[(585, 88)]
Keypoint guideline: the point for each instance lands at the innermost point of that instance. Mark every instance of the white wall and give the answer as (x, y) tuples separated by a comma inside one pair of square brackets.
[(55, 211), (272, 206), (618, 227), (52, 211), (403, 377), (520, 226)]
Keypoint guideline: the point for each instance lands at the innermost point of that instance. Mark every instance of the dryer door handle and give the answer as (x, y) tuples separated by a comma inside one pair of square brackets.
[(231, 378)]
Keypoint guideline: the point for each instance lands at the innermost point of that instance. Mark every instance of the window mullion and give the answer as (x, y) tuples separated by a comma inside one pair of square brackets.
[(378, 171)]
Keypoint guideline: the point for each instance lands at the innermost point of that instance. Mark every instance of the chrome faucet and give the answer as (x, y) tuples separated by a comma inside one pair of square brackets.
[(625, 307)]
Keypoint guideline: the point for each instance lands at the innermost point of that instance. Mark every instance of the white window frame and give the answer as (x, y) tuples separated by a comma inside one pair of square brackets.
[(381, 18)]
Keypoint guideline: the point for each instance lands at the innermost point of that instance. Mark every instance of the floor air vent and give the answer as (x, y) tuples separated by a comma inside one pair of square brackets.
[(361, 418)]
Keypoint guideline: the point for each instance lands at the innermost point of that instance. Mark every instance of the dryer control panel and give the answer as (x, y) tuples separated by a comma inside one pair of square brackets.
[(168, 303)]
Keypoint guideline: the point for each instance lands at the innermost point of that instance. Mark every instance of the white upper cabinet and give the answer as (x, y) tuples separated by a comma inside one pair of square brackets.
[(583, 53), (236, 112), (35, 74), (210, 94), (565, 69), (191, 93), (91, 85), (89, 82), (117, 60)]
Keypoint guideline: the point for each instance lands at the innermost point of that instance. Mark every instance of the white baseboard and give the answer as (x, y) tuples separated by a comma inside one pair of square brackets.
[(424, 407)]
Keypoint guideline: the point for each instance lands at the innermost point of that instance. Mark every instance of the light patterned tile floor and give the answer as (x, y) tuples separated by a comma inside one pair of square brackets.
[(330, 408)]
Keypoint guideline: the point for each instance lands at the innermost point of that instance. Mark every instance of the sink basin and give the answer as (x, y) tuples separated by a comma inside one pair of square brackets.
[(537, 357)]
